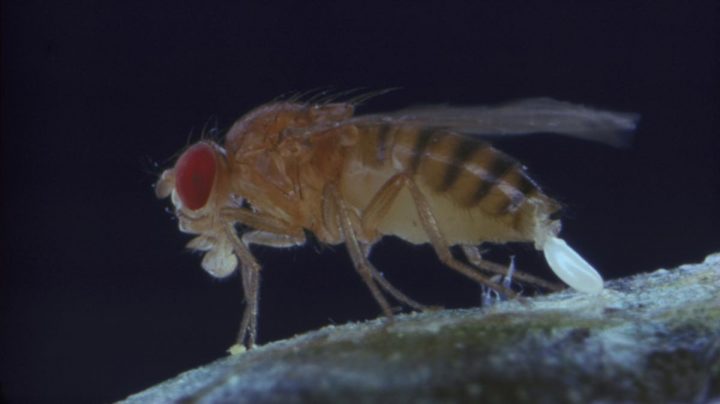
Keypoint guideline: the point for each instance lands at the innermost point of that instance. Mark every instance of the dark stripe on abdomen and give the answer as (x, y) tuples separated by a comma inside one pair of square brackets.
[(497, 168), (424, 138), (521, 187), (382, 141), (374, 143), (463, 152)]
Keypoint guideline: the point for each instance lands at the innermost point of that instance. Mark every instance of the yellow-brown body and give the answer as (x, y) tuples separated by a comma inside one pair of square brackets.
[(288, 167), (282, 163)]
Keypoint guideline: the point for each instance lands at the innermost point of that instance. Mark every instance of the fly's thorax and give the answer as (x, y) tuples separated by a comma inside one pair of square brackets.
[(280, 167), (330, 112), (260, 128), (271, 182), (266, 126)]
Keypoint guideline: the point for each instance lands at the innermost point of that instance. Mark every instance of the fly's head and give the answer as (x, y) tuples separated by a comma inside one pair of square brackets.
[(197, 181), (198, 185)]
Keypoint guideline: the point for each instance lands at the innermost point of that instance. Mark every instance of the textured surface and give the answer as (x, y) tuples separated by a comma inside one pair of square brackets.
[(645, 338)]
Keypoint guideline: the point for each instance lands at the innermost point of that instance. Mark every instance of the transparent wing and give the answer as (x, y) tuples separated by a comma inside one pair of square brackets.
[(522, 117)]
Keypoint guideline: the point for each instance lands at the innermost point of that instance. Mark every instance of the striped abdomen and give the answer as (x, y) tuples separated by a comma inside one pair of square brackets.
[(477, 192), (468, 170)]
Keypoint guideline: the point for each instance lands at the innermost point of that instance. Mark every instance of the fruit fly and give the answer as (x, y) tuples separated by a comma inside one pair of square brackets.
[(425, 175)]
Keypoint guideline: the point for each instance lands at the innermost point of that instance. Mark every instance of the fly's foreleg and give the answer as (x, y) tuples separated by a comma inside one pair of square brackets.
[(260, 222), (264, 238), (270, 232), (250, 273)]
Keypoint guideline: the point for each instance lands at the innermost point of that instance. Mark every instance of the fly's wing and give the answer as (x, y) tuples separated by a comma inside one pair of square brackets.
[(523, 117)]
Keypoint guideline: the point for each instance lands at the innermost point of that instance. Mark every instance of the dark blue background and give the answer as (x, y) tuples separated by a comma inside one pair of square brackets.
[(99, 299)]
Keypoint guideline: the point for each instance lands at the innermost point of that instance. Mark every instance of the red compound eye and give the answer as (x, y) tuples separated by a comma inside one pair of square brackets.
[(195, 175)]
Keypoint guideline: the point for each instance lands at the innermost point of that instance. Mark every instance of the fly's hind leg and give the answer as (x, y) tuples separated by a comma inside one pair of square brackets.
[(380, 206), (440, 244), (472, 253)]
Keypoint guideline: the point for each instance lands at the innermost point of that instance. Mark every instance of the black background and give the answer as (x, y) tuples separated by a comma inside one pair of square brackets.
[(100, 300)]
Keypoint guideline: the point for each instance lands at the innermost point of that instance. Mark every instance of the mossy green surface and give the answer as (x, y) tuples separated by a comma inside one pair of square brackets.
[(649, 338)]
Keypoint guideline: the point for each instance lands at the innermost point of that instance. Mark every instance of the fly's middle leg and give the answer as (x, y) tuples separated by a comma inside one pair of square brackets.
[(389, 288), (357, 254)]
